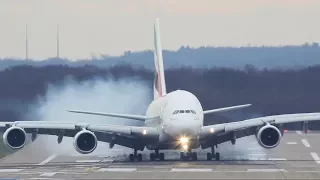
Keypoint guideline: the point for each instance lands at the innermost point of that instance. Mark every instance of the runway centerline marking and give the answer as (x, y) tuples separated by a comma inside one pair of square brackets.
[(49, 174), (299, 132), (88, 161), (257, 154), (266, 170), (276, 159), (315, 157), (10, 170), (50, 158), (190, 170), (253, 148), (291, 143), (305, 143), (117, 169)]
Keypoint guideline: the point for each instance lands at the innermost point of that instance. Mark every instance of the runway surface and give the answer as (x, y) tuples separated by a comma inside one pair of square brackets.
[(297, 157)]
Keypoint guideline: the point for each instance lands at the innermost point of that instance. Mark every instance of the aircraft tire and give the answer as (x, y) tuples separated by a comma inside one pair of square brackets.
[(161, 156), (194, 156), (218, 156), (152, 156), (139, 157), (131, 157), (209, 156)]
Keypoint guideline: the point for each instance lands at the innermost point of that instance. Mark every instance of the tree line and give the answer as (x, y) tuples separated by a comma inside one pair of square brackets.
[(271, 91)]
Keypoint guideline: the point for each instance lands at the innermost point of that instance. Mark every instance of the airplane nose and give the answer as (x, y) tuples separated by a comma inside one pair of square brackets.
[(187, 128)]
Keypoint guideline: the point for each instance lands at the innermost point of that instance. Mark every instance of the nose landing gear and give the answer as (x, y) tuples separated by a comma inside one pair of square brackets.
[(157, 155), (213, 155), (188, 155)]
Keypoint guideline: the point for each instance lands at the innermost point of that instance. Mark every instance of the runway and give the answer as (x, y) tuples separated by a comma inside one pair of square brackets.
[(297, 157)]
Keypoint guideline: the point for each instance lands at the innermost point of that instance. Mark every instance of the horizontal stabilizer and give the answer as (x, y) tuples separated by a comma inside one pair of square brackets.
[(226, 109), (125, 116)]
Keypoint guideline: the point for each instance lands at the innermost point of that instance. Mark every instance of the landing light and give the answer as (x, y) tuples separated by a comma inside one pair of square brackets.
[(184, 140), (144, 132), (185, 147), (211, 130)]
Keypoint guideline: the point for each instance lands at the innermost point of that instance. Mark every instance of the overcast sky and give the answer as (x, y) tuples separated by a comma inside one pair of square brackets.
[(113, 26)]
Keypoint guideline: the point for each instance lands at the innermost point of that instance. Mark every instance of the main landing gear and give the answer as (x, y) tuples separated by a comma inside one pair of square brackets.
[(135, 155), (156, 155), (188, 155), (213, 155)]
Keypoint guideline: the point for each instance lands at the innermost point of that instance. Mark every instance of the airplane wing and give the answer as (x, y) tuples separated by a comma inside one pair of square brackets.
[(226, 109), (220, 133), (128, 136), (127, 116)]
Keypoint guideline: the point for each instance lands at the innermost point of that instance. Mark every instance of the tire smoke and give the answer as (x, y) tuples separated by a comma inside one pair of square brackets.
[(130, 96)]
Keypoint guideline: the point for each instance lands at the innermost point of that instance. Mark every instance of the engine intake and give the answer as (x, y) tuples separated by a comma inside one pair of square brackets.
[(85, 142), (269, 136), (15, 137)]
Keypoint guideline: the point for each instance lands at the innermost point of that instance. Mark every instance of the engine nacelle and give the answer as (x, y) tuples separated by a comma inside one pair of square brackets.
[(269, 136), (85, 142), (15, 137)]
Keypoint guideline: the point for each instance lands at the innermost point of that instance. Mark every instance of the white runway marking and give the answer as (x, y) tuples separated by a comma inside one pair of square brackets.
[(277, 159), (299, 132), (48, 174), (291, 143), (308, 171), (257, 154), (190, 170), (305, 143), (87, 161), (315, 157), (10, 170), (254, 148), (50, 158), (117, 169), (266, 170)]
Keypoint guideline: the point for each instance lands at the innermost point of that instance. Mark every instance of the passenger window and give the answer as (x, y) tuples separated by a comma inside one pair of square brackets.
[(193, 111), (175, 112), (187, 111), (181, 111)]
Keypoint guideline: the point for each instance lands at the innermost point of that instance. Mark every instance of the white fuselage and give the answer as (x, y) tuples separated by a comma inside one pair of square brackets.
[(176, 114)]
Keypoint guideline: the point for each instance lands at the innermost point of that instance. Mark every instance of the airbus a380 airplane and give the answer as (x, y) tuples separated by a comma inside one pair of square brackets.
[(173, 121)]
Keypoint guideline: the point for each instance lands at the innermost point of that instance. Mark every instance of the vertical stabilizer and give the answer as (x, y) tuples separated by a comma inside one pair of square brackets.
[(159, 81)]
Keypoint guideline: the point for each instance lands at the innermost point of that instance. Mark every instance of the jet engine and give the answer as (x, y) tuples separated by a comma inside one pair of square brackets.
[(15, 137), (269, 136), (85, 142)]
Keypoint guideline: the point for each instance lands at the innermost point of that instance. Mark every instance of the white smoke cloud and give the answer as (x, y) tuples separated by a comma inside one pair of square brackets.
[(98, 95)]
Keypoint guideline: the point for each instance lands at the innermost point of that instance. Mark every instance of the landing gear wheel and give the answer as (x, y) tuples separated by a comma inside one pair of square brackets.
[(131, 157), (194, 156), (209, 156), (218, 156), (152, 156), (161, 156), (181, 155), (139, 157)]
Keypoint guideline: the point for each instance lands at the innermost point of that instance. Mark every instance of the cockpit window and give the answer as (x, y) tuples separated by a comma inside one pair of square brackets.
[(184, 111)]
